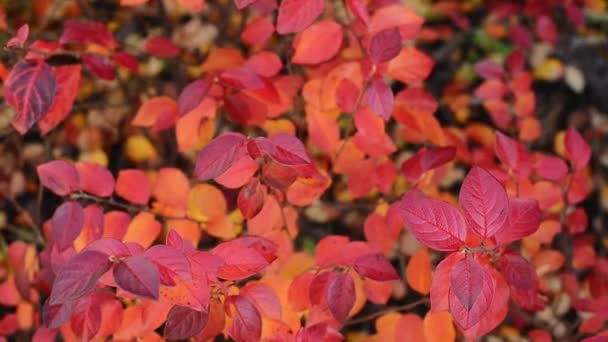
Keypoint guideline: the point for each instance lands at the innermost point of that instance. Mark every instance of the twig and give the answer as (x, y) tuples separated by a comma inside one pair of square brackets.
[(406, 307)]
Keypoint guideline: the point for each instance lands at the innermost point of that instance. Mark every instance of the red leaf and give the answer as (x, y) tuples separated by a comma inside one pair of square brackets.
[(258, 31), (95, 179), (521, 277), (86, 316), (100, 66), (523, 219), (241, 4), (20, 38), (440, 284), (264, 298), (296, 15), (484, 202), (192, 95), (546, 29), (138, 275), (318, 43), (384, 45), (68, 83), (317, 289), (240, 261), (30, 88), (59, 176), (126, 60), (246, 320), (242, 77), (219, 155), (341, 295), (251, 198), (133, 185), (79, 276), (488, 69), (171, 263), (380, 98), (109, 247), (551, 168), (66, 224), (578, 150), (245, 109), (87, 33), (346, 95), (54, 316), (161, 47), (472, 290), (359, 8), (283, 148), (184, 322), (435, 223), (375, 267)]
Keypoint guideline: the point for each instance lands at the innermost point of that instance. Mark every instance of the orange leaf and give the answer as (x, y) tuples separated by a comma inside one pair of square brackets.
[(206, 202), (410, 66), (408, 22), (318, 43), (144, 230), (171, 192), (187, 229), (159, 112), (418, 271), (410, 328), (438, 327), (220, 59)]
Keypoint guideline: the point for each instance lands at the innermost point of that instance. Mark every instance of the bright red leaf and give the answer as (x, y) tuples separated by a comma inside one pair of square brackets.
[(578, 150), (219, 155), (435, 223), (59, 176), (484, 202), (340, 295), (375, 267), (296, 15), (471, 291)]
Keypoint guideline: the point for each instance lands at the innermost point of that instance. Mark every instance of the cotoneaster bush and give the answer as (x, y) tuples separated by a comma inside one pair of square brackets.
[(319, 111)]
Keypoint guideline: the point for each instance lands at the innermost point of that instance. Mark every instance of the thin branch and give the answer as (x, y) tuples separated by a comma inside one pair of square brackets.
[(372, 316)]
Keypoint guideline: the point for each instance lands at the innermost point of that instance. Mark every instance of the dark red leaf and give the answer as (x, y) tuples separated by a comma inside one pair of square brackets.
[(161, 47), (340, 295), (251, 198), (59, 176), (87, 33), (184, 322), (296, 15), (86, 316), (375, 267), (67, 223), (384, 45), (246, 320), (489, 69), (79, 276), (484, 202), (30, 88), (435, 223), (283, 148), (54, 316), (138, 275), (551, 168), (100, 66), (245, 109), (68, 83), (380, 98), (219, 155), (126, 60), (109, 247), (521, 277)]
